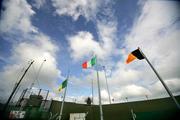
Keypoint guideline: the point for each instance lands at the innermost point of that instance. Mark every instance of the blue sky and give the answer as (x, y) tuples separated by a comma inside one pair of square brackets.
[(68, 33), (59, 27)]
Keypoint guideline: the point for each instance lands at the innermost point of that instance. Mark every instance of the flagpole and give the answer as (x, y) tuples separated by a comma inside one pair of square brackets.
[(159, 77), (133, 115), (62, 106), (100, 105), (107, 85), (92, 93)]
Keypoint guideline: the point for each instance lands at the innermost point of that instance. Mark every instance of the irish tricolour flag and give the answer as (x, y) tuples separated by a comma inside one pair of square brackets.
[(90, 63)]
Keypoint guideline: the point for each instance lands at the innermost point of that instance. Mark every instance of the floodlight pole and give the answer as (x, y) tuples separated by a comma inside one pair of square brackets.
[(36, 78), (17, 85), (159, 77)]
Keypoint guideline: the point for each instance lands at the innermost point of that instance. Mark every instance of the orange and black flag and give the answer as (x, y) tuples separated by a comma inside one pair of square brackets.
[(133, 55)]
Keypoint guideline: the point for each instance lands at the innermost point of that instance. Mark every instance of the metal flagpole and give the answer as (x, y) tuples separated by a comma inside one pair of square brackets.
[(92, 93), (163, 83), (60, 116), (100, 106), (107, 85), (133, 114), (15, 88)]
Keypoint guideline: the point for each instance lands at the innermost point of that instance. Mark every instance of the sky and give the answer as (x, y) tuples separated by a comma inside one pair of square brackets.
[(67, 33)]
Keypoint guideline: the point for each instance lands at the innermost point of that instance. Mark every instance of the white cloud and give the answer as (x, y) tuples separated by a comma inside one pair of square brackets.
[(154, 27), (37, 50), (41, 46), (83, 44), (124, 75), (158, 89), (104, 96), (38, 3), (157, 39), (16, 20), (156, 32), (132, 92), (107, 34), (17, 16), (75, 8)]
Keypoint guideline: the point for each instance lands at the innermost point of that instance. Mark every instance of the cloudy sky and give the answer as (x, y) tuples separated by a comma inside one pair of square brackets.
[(66, 33)]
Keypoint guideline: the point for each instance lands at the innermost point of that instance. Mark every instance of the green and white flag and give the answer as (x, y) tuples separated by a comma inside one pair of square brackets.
[(63, 85)]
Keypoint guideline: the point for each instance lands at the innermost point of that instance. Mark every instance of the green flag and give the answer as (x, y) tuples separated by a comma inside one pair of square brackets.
[(63, 85)]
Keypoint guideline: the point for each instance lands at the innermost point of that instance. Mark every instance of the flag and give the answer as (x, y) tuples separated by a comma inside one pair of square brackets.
[(63, 85), (133, 55), (90, 63)]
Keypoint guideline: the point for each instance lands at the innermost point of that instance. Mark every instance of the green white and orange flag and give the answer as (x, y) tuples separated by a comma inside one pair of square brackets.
[(133, 55), (90, 63), (63, 85)]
